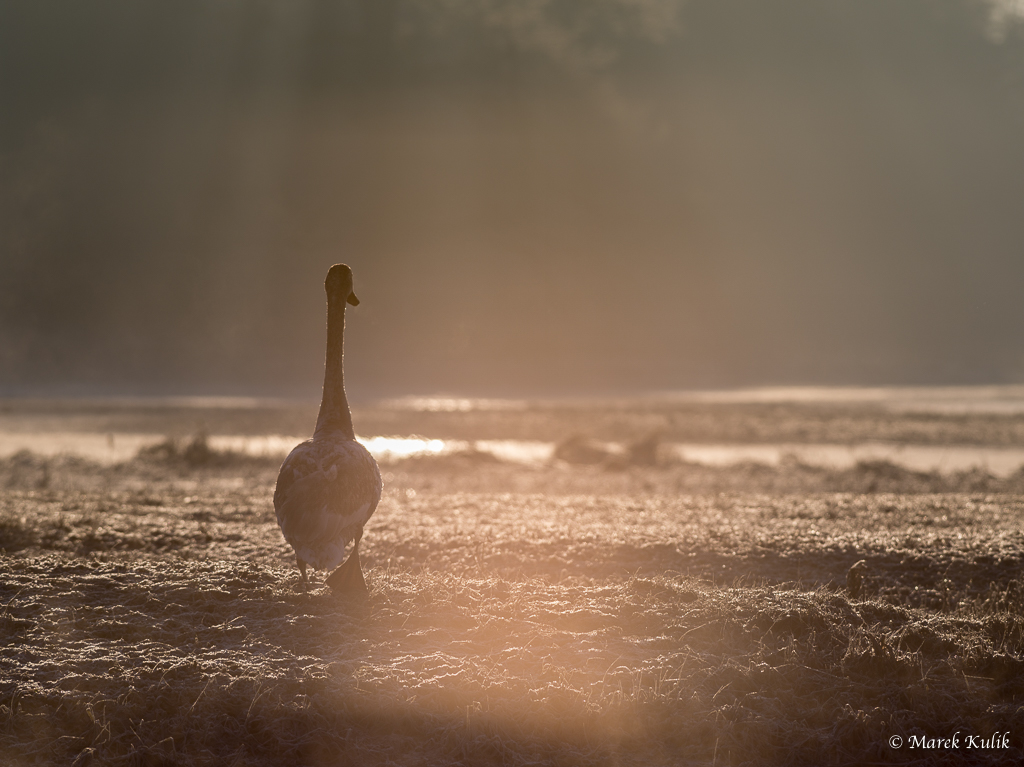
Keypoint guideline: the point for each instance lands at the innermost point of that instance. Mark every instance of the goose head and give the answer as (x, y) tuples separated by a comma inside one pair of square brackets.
[(339, 284)]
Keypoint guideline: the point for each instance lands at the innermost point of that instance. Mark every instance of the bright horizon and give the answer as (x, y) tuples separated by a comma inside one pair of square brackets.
[(982, 398)]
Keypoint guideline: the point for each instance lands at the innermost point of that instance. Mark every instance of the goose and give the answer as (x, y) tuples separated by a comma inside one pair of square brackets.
[(330, 485)]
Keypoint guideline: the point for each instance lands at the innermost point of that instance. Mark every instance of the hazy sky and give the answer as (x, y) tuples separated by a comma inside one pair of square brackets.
[(535, 197)]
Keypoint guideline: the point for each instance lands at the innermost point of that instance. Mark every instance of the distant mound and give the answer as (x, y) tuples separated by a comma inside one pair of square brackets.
[(196, 453)]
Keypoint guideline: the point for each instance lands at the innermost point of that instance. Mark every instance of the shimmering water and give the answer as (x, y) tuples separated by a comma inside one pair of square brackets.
[(115, 447), (1002, 399)]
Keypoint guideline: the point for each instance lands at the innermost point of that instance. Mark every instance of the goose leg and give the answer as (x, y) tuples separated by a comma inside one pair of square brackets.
[(348, 579), (302, 569)]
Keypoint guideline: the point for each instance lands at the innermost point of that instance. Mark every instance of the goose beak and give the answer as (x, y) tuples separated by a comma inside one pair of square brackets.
[(352, 299)]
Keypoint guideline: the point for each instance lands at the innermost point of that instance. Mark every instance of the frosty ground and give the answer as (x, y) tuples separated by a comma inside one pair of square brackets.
[(151, 614)]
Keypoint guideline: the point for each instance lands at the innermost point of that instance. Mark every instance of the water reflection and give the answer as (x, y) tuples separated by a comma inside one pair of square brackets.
[(118, 447)]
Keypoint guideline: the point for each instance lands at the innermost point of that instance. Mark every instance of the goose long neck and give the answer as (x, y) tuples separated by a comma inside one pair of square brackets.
[(335, 415)]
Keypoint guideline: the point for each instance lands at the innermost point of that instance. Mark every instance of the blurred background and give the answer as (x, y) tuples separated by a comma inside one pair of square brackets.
[(537, 197)]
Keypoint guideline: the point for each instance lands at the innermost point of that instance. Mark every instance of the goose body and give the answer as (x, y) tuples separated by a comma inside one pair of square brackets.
[(330, 485)]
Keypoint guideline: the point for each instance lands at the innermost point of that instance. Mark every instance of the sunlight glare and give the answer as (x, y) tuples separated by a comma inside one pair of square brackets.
[(392, 448), (453, 404)]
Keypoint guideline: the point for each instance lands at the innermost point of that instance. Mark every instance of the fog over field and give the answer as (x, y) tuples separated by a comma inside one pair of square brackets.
[(536, 197)]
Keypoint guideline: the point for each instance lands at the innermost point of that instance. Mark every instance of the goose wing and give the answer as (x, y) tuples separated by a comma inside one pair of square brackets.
[(325, 493)]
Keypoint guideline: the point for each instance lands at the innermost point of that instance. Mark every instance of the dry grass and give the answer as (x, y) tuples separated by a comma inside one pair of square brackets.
[(150, 615), (629, 612)]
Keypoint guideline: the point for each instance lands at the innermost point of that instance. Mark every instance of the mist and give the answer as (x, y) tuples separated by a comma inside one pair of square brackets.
[(535, 197)]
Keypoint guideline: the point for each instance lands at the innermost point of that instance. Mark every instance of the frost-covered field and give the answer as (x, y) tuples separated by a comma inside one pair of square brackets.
[(624, 611)]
